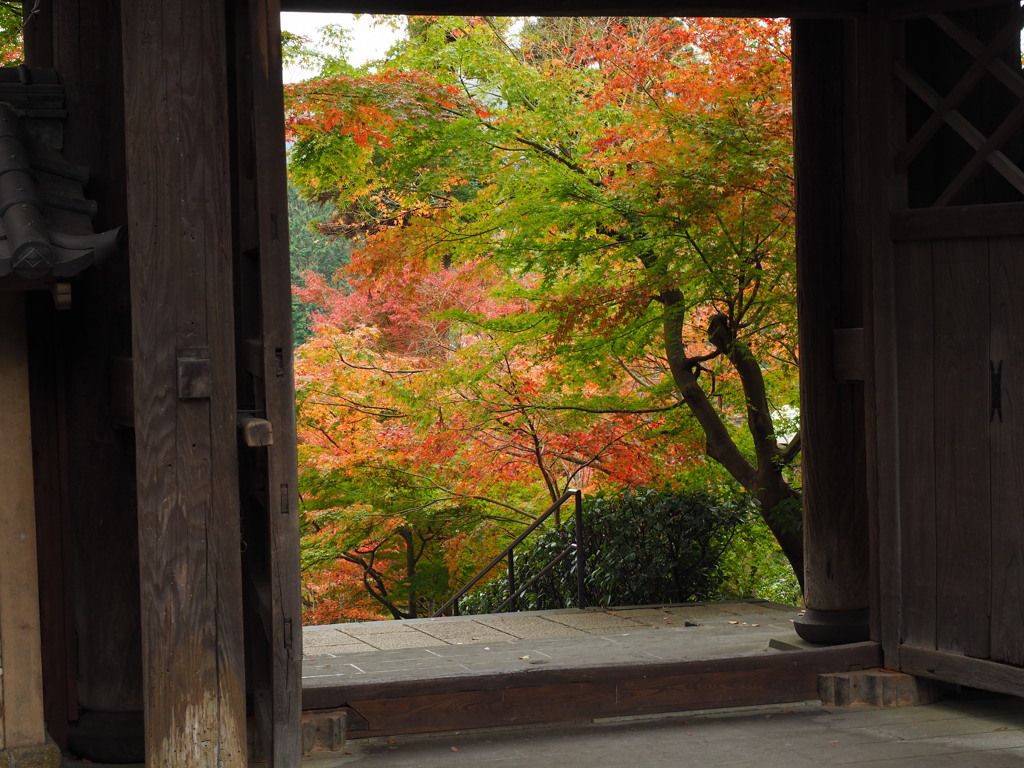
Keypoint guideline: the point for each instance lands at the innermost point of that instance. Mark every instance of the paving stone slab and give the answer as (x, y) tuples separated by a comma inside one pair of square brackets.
[(706, 611), (1005, 708), (335, 670), (337, 652), (321, 644), (463, 632), (391, 640), (946, 728), (598, 621), (362, 628), (652, 618), (529, 627)]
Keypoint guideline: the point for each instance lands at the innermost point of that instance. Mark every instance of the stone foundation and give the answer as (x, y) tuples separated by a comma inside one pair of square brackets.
[(877, 688)]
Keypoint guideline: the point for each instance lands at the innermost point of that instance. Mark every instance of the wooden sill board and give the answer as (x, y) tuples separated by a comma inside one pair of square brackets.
[(542, 695)]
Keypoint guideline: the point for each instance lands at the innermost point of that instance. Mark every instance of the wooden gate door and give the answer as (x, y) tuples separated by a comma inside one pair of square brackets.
[(950, 342), (266, 396)]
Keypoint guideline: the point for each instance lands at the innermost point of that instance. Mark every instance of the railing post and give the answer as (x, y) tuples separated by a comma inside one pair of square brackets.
[(507, 553), (512, 581), (581, 555)]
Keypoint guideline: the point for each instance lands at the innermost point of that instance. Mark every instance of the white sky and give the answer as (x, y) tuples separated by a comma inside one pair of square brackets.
[(368, 41)]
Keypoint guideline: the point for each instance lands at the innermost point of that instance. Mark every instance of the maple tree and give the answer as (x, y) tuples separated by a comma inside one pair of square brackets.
[(12, 44), (311, 250), (613, 199), (425, 445)]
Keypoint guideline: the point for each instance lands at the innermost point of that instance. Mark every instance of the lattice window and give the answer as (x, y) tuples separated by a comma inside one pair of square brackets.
[(962, 72)]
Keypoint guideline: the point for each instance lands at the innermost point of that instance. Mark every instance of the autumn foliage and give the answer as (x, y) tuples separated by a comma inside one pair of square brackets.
[(573, 267)]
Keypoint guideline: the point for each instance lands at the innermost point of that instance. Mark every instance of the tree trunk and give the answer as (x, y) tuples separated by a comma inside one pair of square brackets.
[(781, 509), (780, 505)]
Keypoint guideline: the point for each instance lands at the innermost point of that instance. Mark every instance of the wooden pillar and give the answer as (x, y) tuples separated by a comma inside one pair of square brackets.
[(22, 730), (830, 299), (179, 219)]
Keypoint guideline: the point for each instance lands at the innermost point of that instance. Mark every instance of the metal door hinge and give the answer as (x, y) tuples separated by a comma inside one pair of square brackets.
[(997, 390)]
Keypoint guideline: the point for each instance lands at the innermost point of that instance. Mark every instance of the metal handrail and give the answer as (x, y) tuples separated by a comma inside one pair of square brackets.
[(506, 554)]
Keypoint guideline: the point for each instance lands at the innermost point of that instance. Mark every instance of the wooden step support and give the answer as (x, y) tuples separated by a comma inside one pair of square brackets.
[(23, 738)]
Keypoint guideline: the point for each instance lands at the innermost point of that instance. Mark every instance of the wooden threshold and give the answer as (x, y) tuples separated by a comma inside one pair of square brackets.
[(542, 695)]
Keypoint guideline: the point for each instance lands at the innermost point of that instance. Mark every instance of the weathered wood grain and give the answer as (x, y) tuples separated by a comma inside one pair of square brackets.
[(1007, 440), (829, 292), (560, 695), (21, 697), (915, 345), (966, 221), (325, 693), (963, 670), (962, 499), (269, 476), (177, 140), (876, 136)]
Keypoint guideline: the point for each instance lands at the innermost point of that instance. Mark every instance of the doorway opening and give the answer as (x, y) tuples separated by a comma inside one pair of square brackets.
[(570, 264)]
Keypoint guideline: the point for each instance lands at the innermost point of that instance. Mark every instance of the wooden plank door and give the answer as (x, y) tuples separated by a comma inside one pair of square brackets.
[(1006, 260), (955, 232)]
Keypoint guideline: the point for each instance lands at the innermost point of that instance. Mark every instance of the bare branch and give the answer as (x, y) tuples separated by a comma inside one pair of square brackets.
[(377, 368)]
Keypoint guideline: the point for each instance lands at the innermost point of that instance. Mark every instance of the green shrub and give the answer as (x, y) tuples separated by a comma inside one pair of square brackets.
[(753, 565), (642, 547)]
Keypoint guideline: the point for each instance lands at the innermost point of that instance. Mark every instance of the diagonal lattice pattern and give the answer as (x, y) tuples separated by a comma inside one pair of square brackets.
[(965, 108)]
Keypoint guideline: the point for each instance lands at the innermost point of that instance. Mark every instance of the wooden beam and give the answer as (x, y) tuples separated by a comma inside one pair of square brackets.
[(179, 214), (540, 695), (872, 137), (970, 221), (962, 670), (908, 9), (21, 681), (723, 8)]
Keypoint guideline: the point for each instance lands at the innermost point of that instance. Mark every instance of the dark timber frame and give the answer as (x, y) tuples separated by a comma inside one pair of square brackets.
[(168, 568)]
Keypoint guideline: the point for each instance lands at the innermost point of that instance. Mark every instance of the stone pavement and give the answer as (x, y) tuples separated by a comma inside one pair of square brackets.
[(423, 648), (973, 731), (977, 730)]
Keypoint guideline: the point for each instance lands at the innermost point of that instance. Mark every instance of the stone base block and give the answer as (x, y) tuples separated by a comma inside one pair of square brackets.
[(45, 756), (323, 733), (876, 688)]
